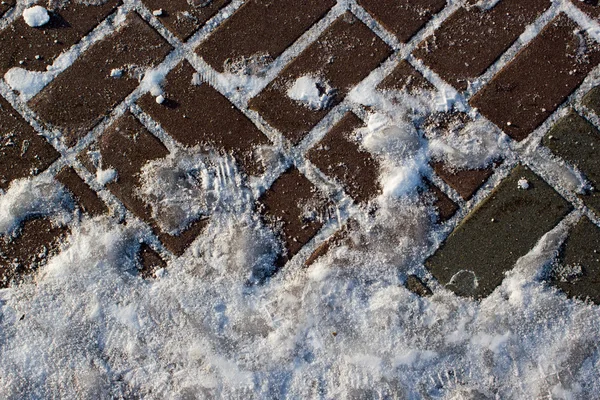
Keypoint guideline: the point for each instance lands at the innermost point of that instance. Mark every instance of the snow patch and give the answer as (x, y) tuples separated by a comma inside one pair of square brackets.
[(312, 92), (27, 83)]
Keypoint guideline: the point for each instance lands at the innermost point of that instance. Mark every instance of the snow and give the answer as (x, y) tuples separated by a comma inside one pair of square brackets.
[(27, 83), (312, 92), (523, 184), (160, 99), (36, 16)]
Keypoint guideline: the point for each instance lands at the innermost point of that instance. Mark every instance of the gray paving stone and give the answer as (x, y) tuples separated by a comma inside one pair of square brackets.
[(503, 228)]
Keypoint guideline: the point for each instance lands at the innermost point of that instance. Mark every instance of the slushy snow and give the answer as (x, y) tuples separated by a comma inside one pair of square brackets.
[(36, 16)]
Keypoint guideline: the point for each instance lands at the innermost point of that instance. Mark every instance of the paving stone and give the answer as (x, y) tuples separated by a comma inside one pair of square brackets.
[(592, 100), (38, 47), (259, 32), (339, 238), (590, 7), (403, 18), (577, 141), (85, 93), (465, 181), (473, 38), (184, 17), (199, 115), (504, 227), (127, 146), (340, 156), (293, 206), (22, 151), (405, 78), (5, 6), (578, 270), (417, 286), (84, 196), (149, 261), (541, 77), (342, 56), (35, 243), (446, 208)]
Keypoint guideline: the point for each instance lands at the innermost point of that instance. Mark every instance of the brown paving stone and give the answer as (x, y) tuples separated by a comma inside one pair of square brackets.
[(5, 6), (403, 18), (127, 146), (343, 56), (472, 38), (577, 141), (590, 7), (199, 115), (340, 155), (22, 151), (578, 272), (84, 196), (36, 241), (417, 286), (184, 17), (446, 208), (261, 27), (67, 25), (85, 93), (592, 100), (149, 261), (405, 78), (293, 205), (541, 77), (466, 181), (503, 228)]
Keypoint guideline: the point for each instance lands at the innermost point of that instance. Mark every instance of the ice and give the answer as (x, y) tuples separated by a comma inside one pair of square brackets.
[(314, 93), (36, 16)]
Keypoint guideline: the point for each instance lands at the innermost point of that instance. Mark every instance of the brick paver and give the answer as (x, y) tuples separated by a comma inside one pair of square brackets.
[(588, 6), (22, 151), (184, 17), (540, 78), (472, 38), (36, 48), (403, 18), (84, 196), (294, 207), (149, 261), (340, 156), (260, 29), (196, 114), (504, 227), (578, 269), (405, 78), (445, 207), (344, 55), (127, 146), (86, 92), (465, 181), (577, 141)]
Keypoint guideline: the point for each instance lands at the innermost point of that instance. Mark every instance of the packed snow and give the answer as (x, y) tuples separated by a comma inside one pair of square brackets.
[(314, 93), (36, 16)]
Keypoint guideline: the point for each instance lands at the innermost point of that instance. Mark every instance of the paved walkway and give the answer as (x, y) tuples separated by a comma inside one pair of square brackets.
[(528, 67)]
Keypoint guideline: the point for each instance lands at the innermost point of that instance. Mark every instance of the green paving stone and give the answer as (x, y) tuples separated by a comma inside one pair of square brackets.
[(503, 228), (577, 141), (578, 270), (592, 100)]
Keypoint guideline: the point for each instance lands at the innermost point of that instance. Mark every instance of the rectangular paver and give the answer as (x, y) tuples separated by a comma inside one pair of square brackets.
[(196, 114), (403, 18), (84, 196), (22, 151), (36, 48), (504, 227), (342, 56), (261, 29), (339, 155), (472, 38), (184, 17), (85, 93), (541, 77), (578, 142)]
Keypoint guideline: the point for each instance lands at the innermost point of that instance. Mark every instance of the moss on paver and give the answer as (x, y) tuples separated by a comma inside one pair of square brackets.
[(577, 141), (578, 270), (505, 227)]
